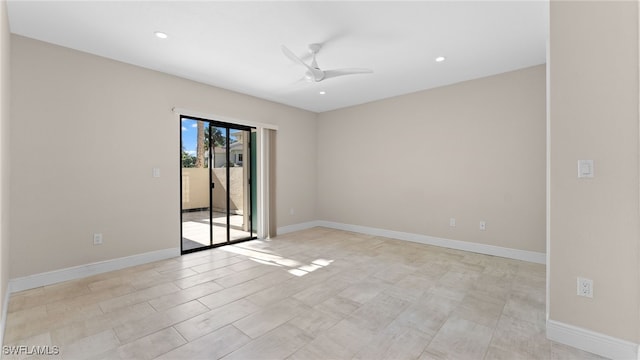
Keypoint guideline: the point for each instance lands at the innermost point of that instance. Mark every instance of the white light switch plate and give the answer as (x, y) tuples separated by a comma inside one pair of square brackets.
[(585, 169)]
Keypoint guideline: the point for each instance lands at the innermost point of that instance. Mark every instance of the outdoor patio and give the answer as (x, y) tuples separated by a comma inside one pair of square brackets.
[(196, 224)]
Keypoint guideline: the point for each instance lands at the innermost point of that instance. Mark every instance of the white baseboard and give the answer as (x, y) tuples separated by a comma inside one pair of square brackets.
[(297, 227), (530, 256), (77, 272), (591, 341)]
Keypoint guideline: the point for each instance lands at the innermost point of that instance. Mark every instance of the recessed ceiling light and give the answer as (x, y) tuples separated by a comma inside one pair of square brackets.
[(440, 59), (160, 35), (322, 92)]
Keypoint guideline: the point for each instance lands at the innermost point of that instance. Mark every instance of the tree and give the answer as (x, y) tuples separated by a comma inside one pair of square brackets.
[(188, 160), (202, 142), (200, 145), (217, 138)]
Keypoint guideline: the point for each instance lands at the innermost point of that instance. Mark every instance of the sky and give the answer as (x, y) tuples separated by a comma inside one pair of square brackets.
[(189, 135)]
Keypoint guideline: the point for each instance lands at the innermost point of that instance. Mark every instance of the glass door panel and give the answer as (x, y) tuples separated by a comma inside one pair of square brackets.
[(219, 139), (195, 183), (239, 189)]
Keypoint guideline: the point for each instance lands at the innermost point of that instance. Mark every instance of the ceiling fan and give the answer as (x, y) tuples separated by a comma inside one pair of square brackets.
[(314, 73)]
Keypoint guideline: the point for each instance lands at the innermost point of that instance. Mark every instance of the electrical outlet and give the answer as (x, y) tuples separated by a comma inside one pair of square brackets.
[(483, 225), (585, 287), (452, 222), (97, 239)]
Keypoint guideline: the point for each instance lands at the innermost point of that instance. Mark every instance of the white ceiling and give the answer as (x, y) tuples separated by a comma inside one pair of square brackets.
[(237, 45)]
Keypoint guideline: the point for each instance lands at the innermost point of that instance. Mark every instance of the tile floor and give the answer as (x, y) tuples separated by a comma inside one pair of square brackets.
[(314, 294)]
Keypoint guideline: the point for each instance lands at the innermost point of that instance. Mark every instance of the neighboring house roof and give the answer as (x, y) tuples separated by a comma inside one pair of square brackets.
[(233, 147)]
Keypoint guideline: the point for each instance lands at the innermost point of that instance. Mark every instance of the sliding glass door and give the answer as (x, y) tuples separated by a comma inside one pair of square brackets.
[(216, 184)]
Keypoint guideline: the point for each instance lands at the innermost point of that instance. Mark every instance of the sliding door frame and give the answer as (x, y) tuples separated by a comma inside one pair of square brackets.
[(251, 177)]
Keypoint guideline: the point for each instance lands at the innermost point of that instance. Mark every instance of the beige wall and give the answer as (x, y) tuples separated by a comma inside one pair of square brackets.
[(195, 189), (235, 190), (72, 110), (4, 151), (594, 224), (472, 151)]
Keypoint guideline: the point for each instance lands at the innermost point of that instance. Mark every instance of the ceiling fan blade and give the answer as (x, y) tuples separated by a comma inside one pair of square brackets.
[(293, 56), (316, 73), (341, 72)]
